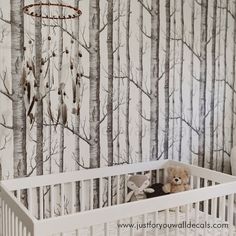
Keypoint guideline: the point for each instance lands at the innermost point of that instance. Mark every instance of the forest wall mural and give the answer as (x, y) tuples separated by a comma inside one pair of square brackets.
[(127, 81)]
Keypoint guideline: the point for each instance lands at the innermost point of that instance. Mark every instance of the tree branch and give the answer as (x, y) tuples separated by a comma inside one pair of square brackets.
[(186, 122), (149, 10), (186, 44)]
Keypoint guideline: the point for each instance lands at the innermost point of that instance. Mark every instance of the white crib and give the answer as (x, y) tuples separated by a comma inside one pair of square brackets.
[(56, 213)]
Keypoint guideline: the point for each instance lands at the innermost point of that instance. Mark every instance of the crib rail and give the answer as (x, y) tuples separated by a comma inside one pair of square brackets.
[(16, 220), (52, 199), (129, 210), (62, 178)]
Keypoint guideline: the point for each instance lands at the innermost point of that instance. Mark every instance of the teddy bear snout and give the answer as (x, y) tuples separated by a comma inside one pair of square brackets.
[(177, 180)]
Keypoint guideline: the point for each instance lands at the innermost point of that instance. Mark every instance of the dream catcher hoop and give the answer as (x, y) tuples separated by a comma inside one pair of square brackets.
[(75, 12), (53, 15)]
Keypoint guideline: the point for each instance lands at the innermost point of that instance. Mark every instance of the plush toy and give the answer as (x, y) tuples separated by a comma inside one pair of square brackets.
[(177, 180), (158, 190), (139, 186)]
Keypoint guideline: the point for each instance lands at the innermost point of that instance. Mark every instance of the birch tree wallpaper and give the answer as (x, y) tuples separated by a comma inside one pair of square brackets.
[(127, 81)]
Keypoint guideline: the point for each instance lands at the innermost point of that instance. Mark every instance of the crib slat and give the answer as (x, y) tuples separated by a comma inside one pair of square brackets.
[(125, 186), (76, 232), (165, 175), (176, 220), (150, 174), (82, 196), (100, 192), (144, 222), (91, 194), (72, 197), (91, 231), (222, 208), (2, 218), (24, 231), (222, 212), (52, 200), (197, 207), (19, 228), (187, 217), (62, 199), (106, 229), (131, 228), (156, 222), (30, 203), (157, 176), (118, 190), (118, 228), (205, 216), (41, 202), (191, 182), (13, 223), (196, 217), (214, 208), (18, 195), (109, 191), (16, 225), (7, 220), (231, 213), (167, 221)]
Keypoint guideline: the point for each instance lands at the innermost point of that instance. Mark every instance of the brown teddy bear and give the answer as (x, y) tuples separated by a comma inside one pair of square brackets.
[(177, 180)]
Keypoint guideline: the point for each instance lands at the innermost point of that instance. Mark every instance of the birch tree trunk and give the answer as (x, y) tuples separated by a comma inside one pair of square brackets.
[(0, 171), (49, 95), (77, 102), (191, 81), (181, 80), (218, 90), (212, 105), (110, 82), (118, 83), (167, 72), (173, 80), (140, 102), (39, 106), (18, 106), (61, 98), (233, 81), (127, 141), (154, 73), (94, 78), (202, 89), (225, 81)]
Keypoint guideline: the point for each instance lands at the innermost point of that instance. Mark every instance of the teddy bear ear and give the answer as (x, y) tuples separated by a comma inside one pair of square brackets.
[(187, 171), (170, 169)]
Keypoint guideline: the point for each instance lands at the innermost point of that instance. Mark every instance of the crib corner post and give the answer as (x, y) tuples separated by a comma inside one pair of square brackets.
[(36, 230)]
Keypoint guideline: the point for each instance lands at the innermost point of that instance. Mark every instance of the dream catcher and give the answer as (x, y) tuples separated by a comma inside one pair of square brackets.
[(60, 69)]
